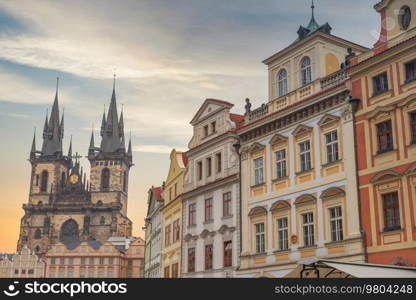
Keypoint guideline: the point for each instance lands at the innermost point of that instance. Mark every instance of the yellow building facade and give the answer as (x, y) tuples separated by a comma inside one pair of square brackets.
[(172, 216), (299, 189)]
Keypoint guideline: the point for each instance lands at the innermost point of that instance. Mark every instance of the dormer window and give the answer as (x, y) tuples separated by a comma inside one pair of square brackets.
[(305, 70), (282, 82)]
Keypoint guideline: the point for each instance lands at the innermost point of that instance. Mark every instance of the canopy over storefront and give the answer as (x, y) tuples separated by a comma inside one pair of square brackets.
[(315, 268)]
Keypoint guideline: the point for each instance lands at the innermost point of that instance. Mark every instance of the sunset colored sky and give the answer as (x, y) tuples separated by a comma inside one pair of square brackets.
[(168, 56)]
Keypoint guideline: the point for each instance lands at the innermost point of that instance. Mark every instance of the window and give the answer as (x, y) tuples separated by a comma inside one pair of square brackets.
[(385, 136), (125, 181), (44, 181), (308, 230), (166, 272), (209, 167), (208, 210), (31, 272), (167, 235), (105, 178), (213, 127), (306, 71), (110, 273), (280, 163), (16, 271), (82, 260), (176, 231), (208, 256), (258, 171), (218, 160), (38, 234), (206, 132), (101, 260), (199, 169), (413, 126), (37, 249), (305, 156), (170, 193), (282, 82), (226, 204), (90, 273), (62, 261), (37, 180), (102, 220), (260, 238), (130, 263), (23, 272), (91, 261), (70, 273), (405, 16), (391, 211), (410, 68), (62, 273), (192, 214), (63, 176), (380, 84), (110, 260), (175, 270), (70, 261), (282, 234), (191, 259), (228, 254), (332, 146), (53, 261), (335, 219)]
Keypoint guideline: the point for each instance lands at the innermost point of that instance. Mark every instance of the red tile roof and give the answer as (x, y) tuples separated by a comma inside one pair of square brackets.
[(185, 159), (237, 119), (157, 191)]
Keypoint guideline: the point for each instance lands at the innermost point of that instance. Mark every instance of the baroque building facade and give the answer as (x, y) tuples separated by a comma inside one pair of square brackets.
[(153, 233), (119, 257), (210, 202), (172, 216), (299, 190), (383, 83), (25, 264), (63, 205)]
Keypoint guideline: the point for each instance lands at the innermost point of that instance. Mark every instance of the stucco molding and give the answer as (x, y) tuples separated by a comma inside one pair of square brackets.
[(328, 119), (301, 129), (257, 211), (380, 110), (332, 192), (280, 205), (277, 139), (411, 170), (305, 198), (224, 228), (386, 175), (408, 101), (256, 147)]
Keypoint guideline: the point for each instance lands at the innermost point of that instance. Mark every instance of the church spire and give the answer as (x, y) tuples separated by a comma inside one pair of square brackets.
[(70, 148), (33, 148), (112, 136), (53, 131), (92, 147), (313, 25), (129, 151)]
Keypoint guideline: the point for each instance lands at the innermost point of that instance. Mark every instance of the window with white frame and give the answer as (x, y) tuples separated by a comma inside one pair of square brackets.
[(335, 219), (260, 238), (282, 234), (308, 229), (281, 163), (305, 156), (282, 82), (306, 71), (332, 153), (258, 171)]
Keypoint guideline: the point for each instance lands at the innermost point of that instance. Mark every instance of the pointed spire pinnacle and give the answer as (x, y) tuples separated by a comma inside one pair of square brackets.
[(313, 25), (33, 148), (129, 151), (91, 148), (57, 86), (45, 126), (70, 148)]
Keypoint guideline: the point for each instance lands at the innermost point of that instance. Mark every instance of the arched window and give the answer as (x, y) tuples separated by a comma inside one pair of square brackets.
[(44, 181), (69, 231), (37, 249), (105, 178), (102, 220), (282, 82), (63, 179), (125, 181), (38, 234), (305, 70)]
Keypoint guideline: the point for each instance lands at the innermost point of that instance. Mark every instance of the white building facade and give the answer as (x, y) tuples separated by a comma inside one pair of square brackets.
[(210, 213)]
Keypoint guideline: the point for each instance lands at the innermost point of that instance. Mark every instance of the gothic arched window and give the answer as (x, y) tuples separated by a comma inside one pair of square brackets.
[(125, 181), (305, 70), (105, 178), (38, 234), (282, 82), (44, 181), (102, 220), (69, 232)]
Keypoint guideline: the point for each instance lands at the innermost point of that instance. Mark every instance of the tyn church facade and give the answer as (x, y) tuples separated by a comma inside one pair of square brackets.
[(64, 206)]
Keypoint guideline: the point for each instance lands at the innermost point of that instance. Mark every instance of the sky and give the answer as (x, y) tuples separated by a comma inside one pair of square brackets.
[(168, 57)]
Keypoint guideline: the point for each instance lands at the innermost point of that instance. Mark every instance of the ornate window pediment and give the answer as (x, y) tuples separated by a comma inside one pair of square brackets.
[(411, 169), (277, 139), (224, 228), (257, 211), (301, 130), (332, 192), (256, 147), (380, 112), (409, 102), (304, 199), (386, 175), (280, 205), (328, 119), (206, 233)]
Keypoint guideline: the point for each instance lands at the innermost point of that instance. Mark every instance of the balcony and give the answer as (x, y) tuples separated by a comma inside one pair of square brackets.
[(333, 79), (258, 112)]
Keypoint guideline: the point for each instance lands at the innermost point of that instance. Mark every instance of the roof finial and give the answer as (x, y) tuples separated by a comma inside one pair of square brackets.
[(313, 8), (57, 86), (114, 81)]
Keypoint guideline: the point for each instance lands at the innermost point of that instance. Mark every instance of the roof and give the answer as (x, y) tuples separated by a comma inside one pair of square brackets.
[(185, 159), (237, 119), (92, 243), (157, 192), (338, 269), (223, 103)]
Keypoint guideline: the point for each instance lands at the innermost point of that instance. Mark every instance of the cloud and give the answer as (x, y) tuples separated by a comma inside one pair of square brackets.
[(14, 115), (156, 148)]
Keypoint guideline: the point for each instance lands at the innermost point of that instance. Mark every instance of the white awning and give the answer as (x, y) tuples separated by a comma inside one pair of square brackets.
[(337, 269)]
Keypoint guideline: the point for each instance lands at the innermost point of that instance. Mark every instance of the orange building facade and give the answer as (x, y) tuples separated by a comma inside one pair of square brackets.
[(384, 81)]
